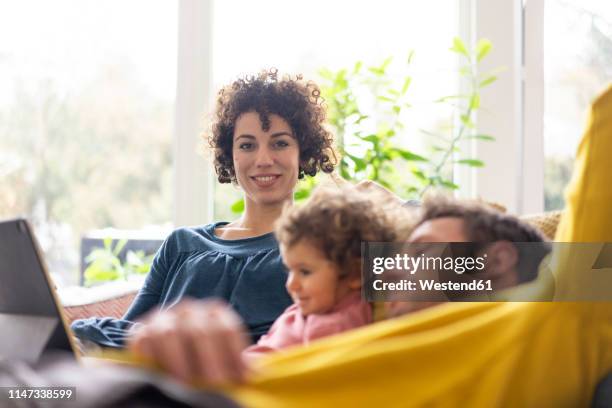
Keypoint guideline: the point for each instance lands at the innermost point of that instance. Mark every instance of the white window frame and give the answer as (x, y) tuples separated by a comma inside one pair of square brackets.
[(193, 171), (533, 104), (513, 106)]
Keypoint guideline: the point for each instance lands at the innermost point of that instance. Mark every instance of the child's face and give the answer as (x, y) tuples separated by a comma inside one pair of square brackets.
[(314, 281)]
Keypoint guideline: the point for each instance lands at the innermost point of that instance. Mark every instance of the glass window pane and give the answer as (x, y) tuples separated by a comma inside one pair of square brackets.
[(86, 118), (578, 65)]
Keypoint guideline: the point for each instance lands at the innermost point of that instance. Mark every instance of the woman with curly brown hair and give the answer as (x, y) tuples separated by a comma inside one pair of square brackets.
[(267, 133)]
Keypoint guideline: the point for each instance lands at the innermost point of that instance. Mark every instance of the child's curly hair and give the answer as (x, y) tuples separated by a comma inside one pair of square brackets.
[(338, 220), (295, 100)]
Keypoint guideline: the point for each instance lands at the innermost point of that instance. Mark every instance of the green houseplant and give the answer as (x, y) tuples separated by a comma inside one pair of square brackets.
[(377, 154), (382, 156), (105, 264)]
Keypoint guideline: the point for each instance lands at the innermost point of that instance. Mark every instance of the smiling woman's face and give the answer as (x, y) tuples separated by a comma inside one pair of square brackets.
[(266, 162)]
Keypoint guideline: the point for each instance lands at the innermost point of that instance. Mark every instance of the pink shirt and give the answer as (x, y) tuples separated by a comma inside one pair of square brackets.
[(292, 328)]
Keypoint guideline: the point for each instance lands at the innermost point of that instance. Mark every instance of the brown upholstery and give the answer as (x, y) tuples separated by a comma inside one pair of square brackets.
[(115, 307)]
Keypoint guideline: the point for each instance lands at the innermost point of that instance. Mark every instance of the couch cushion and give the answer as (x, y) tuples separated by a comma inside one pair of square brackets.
[(546, 222)]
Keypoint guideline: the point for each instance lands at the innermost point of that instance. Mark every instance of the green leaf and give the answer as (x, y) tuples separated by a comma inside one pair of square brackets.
[(407, 82), (386, 132), (357, 67), (397, 109), (143, 269), (96, 273), (344, 173), (385, 156), (419, 174), (459, 47), (483, 47), (487, 81), (448, 98), (119, 246), (487, 138), (301, 194), (394, 92), (386, 63), (384, 98), (465, 119), (408, 155), (360, 118), (410, 56), (108, 242), (471, 162), (475, 101), (374, 139), (448, 184), (410, 191), (385, 184), (238, 206), (360, 164), (437, 148)]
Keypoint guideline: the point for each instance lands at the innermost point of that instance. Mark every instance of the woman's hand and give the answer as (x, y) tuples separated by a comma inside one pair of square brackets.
[(195, 340)]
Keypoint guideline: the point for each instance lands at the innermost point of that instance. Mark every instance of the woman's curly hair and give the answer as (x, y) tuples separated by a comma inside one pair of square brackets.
[(295, 100), (338, 220)]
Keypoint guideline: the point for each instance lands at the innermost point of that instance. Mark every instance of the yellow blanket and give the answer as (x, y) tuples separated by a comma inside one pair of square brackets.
[(479, 354)]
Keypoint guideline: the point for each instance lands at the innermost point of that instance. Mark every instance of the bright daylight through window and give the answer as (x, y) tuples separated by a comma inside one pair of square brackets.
[(86, 118), (578, 65)]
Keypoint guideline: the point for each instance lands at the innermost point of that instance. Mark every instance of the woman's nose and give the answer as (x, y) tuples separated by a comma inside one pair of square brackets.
[(264, 157)]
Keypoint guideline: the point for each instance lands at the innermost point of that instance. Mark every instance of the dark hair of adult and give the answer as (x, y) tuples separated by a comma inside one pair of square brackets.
[(484, 225)]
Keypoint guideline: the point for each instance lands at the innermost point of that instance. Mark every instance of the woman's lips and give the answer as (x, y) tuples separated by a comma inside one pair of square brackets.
[(265, 180)]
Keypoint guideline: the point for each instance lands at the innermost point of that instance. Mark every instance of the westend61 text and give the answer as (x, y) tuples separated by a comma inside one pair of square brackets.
[(430, 284)]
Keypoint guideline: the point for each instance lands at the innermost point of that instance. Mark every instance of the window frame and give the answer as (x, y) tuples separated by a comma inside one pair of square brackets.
[(193, 171), (513, 106)]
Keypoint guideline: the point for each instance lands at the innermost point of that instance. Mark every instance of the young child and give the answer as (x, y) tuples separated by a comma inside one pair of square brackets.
[(320, 244)]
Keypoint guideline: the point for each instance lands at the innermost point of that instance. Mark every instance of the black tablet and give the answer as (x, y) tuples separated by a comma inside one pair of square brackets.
[(31, 317)]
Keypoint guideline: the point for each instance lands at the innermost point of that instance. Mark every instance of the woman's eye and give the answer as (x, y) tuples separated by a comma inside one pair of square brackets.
[(281, 144), (245, 146)]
